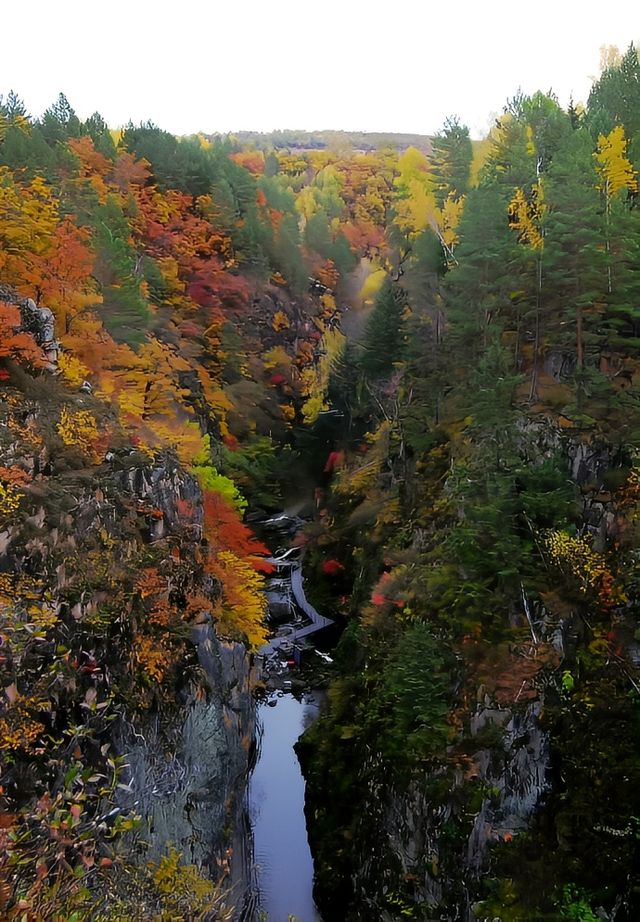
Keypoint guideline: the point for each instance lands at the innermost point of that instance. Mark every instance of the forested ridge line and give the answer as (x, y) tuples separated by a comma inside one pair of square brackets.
[(448, 343)]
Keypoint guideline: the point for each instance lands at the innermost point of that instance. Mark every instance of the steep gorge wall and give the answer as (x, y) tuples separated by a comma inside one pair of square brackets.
[(178, 726), (423, 845)]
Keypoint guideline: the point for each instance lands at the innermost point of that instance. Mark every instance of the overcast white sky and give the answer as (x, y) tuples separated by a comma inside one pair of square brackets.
[(221, 65)]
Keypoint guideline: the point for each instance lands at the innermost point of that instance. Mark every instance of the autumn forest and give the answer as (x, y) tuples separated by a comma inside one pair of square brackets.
[(429, 349)]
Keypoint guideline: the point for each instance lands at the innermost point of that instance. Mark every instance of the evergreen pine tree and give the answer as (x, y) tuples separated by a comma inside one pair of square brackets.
[(60, 122), (615, 100), (384, 333), (575, 262), (451, 161), (479, 288), (97, 129)]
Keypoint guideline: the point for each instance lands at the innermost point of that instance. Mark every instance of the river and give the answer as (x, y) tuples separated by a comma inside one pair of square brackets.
[(275, 798)]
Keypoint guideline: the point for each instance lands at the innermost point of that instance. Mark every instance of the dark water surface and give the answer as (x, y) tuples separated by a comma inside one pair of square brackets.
[(276, 809)]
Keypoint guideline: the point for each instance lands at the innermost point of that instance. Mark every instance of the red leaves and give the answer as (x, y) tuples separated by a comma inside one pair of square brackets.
[(91, 160), (61, 274), (332, 567), (14, 475), (210, 285), (225, 530), (21, 347), (129, 171), (190, 330), (262, 565), (385, 590), (334, 462), (186, 510), (251, 160), (231, 442)]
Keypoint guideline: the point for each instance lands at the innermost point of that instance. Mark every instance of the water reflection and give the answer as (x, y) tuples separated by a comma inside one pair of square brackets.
[(276, 809)]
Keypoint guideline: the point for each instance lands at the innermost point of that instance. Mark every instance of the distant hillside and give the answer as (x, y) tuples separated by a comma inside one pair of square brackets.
[(319, 140)]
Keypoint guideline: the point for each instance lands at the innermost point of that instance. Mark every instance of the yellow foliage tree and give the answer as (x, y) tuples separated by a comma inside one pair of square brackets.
[(416, 206), (526, 216), (277, 358), (186, 893), (447, 220), (615, 174), (372, 284), (9, 500), (316, 381), (19, 729), (414, 185), (80, 429), (574, 555), (72, 369), (28, 218), (614, 168), (481, 150), (280, 321), (153, 656), (362, 477), (242, 609)]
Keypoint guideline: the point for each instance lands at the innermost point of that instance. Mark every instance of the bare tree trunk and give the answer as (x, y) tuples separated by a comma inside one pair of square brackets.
[(533, 392), (579, 345)]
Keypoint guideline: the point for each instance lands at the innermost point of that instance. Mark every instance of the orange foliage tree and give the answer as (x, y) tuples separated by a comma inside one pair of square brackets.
[(16, 344)]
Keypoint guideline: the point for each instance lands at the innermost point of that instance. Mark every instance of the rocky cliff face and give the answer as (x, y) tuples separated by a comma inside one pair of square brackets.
[(434, 834), (429, 836), (39, 321), (171, 724), (186, 775), (187, 768), (422, 845)]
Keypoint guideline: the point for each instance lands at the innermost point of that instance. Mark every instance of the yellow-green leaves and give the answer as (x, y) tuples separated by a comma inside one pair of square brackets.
[(416, 206), (614, 169), (526, 215)]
